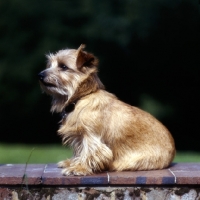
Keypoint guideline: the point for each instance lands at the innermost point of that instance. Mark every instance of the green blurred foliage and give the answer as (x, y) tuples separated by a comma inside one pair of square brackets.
[(148, 51), (33, 153)]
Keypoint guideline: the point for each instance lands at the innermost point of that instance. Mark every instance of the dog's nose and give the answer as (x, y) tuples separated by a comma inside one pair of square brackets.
[(41, 75)]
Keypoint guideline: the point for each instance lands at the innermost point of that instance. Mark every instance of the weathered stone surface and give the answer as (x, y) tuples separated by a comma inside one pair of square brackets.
[(101, 193)]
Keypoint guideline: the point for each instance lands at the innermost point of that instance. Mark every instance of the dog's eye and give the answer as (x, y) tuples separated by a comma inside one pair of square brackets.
[(63, 67)]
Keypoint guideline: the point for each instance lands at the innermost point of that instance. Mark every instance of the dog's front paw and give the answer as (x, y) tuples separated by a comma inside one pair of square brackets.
[(64, 163), (77, 170)]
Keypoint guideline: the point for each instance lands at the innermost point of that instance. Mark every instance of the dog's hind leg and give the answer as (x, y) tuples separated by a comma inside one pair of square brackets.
[(140, 161)]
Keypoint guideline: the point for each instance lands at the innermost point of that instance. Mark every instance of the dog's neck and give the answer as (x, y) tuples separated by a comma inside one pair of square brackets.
[(68, 109), (66, 104), (90, 85), (71, 105)]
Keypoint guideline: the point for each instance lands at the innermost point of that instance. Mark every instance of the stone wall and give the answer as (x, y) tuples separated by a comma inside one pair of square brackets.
[(45, 182)]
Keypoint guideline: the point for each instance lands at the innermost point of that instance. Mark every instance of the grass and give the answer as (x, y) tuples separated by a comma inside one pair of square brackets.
[(19, 153), (187, 156)]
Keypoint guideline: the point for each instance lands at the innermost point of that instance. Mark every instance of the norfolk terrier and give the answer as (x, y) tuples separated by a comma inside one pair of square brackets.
[(105, 133)]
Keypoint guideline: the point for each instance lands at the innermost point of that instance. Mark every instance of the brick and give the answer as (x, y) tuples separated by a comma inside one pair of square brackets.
[(123, 178), (187, 167), (13, 174), (154, 177), (52, 176), (187, 178), (186, 173), (96, 179)]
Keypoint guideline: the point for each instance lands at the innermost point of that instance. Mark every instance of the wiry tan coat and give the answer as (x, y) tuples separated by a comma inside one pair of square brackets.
[(104, 132)]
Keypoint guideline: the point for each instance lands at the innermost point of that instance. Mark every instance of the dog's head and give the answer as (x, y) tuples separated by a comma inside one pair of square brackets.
[(70, 74)]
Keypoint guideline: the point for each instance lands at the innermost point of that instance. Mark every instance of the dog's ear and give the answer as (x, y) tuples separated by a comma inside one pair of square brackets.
[(84, 58)]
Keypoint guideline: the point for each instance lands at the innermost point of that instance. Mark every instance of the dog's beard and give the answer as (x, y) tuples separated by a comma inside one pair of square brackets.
[(61, 94), (58, 103), (54, 90)]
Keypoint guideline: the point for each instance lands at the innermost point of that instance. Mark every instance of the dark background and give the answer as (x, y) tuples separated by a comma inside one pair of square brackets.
[(149, 57)]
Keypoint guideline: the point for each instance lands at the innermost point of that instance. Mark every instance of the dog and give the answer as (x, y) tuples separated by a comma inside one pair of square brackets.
[(105, 133)]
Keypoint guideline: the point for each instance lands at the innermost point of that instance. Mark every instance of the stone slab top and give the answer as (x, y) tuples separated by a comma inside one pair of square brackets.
[(50, 174)]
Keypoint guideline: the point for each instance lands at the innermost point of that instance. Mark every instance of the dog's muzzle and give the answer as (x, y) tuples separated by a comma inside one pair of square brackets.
[(41, 77)]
